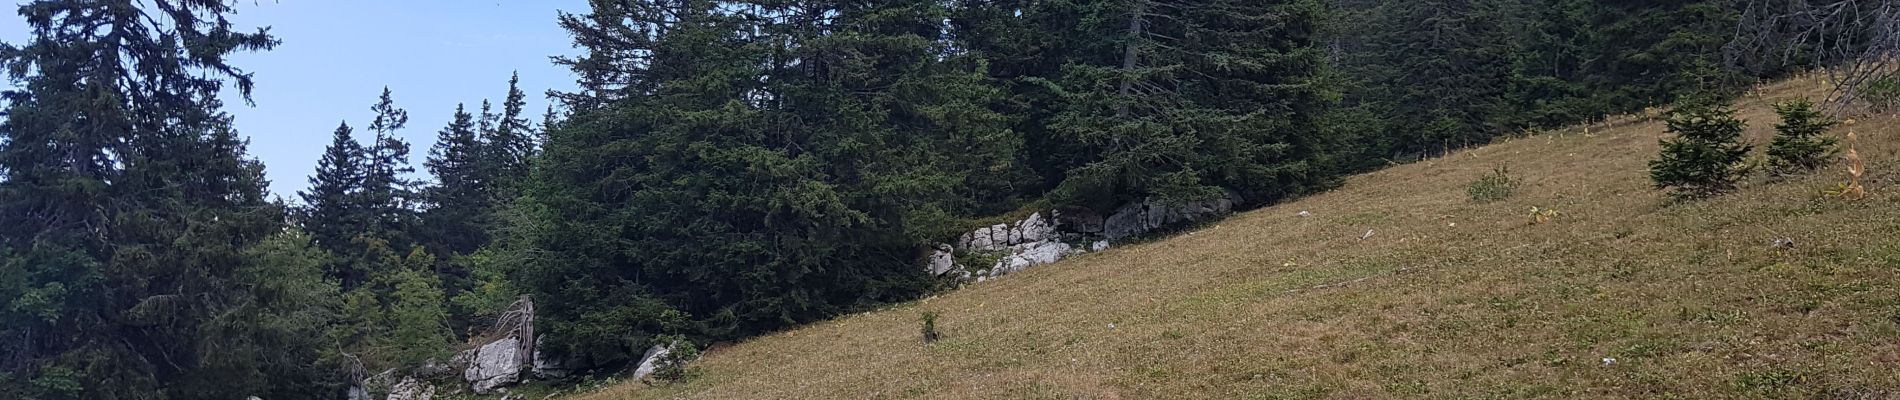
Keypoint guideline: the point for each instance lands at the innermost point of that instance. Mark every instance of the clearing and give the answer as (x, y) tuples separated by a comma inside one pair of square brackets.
[(1447, 299)]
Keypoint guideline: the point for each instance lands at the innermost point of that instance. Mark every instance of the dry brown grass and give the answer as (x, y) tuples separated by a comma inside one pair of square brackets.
[(1689, 299)]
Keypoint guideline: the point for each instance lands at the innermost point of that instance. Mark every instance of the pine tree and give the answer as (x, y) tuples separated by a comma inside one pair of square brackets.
[(1707, 155), (550, 121), (387, 196), (849, 138), (621, 286), (1800, 143), (1185, 102), (459, 203), (1426, 76), (329, 210), (485, 122), (509, 143), (133, 226), (1438, 70)]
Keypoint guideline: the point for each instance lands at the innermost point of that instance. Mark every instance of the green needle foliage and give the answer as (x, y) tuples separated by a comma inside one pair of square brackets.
[(728, 168), (1706, 157), (139, 257), (1801, 143)]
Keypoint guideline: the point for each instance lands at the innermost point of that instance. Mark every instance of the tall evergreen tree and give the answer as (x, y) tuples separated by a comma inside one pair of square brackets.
[(508, 142), (753, 186), (1439, 72), (387, 194), (459, 201), (1183, 101), (133, 228), (329, 206), (1426, 76), (485, 121), (550, 120)]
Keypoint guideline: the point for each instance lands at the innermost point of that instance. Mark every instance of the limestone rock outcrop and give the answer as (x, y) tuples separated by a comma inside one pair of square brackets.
[(503, 361), (411, 389), (650, 361), (1049, 236), (494, 365)]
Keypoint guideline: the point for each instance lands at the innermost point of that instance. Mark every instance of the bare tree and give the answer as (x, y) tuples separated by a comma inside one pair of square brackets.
[(1852, 41)]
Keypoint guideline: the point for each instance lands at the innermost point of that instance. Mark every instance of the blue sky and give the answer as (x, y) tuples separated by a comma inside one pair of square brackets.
[(338, 54)]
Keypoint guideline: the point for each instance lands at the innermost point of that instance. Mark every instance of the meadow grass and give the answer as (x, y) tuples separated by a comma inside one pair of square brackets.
[(1450, 299)]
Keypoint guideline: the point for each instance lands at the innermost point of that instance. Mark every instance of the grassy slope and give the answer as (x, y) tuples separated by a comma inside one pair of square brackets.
[(1689, 299)]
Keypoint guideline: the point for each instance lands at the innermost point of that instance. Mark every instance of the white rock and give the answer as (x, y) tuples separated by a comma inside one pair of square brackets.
[(1127, 221), (1036, 229), (1099, 245), (411, 389), (1017, 263), (1304, 214), (1046, 253), (943, 260), (1083, 222), (980, 239), (999, 237), (1157, 215), (650, 362), (1016, 235), (1138, 218), (494, 365), (1030, 255)]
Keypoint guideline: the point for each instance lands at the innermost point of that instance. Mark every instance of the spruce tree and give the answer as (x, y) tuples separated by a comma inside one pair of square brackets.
[(485, 122), (1800, 143), (329, 210), (511, 140), (851, 138), (550, 121), (1188, 102), (134, 230), (1707, 155), (459, 201), (387, 195), (1438, 71), (624, 285)]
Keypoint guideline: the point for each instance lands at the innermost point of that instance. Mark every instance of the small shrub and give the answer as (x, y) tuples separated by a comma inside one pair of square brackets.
[(929, 319), (1882, 94), (1498, 185), (1706, 157), (1800, 144), (673, 366)]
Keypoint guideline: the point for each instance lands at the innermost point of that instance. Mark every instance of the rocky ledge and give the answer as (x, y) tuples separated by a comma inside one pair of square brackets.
[(1052, 235)]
